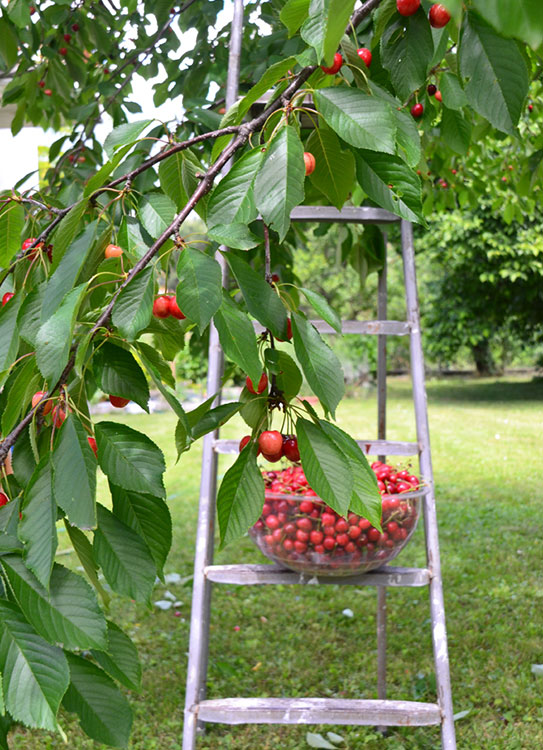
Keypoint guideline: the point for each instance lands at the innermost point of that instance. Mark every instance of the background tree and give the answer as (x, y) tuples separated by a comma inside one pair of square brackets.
[(85, 256)]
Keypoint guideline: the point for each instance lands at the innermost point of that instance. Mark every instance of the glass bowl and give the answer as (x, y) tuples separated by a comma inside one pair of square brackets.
[(302, 533)]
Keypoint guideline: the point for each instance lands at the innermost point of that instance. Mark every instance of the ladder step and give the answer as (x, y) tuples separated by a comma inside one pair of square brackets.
[(372, 327), (369, 447), (256, 575), (345, 215), (318, 711)]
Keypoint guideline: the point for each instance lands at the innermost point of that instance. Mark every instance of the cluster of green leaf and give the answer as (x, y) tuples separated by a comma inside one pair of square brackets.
[(76, 321)]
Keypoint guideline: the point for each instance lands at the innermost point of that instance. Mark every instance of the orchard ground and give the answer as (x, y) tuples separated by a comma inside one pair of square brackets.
[(486, 441)]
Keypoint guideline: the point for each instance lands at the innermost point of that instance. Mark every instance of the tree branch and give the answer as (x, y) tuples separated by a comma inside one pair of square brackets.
[(362, 13)]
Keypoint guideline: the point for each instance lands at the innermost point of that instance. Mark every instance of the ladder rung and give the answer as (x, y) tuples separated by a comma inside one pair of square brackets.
[(346, 215), (255, 575), (372, 327), (318, 711), (369, 447)]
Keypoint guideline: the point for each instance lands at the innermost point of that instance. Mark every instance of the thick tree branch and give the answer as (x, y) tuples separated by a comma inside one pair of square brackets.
[(362, 13)]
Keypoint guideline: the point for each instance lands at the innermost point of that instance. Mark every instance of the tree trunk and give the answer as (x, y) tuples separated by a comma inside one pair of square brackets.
[(484, 361)]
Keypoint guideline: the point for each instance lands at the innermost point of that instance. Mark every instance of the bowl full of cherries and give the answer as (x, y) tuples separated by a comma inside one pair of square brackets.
[(300, 531)]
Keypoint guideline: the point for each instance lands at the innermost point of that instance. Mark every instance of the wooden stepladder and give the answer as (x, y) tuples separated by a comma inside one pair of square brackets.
[(380, 712)]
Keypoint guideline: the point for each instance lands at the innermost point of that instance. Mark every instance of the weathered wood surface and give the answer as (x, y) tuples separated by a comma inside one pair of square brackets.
[(255, 575), (372, 327), (318, 711), (369, 447)]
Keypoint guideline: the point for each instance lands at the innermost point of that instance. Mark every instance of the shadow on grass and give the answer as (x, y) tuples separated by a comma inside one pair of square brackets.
[(474, 391)]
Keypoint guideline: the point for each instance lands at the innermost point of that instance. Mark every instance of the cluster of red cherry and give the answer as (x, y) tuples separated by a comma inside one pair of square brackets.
[(300, 530)]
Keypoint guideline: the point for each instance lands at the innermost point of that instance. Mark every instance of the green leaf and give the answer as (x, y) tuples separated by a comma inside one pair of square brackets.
[(334, 168), (12, 221), (67, 272), (279, 185), (74, 474), (130, 459), (455, 131), (232, 200), (289, 378), (124, 134), (149, 517), (452, 92), (235, 235), (407, 49), (120, 659), (521, 19), (124, 557), (83, 550), (156, 212), (167, 391), (391, 184), (25, 384), (8, 44), (29, 318), (320, 365), (130, 237), (68, 613), (270, 77), (366, 499), (325, 26), (407, 133), (134, 306), (34, 673), (104, 712), (170, 173), (155, 363), (9, 338), (363, 121), (241, 497), (261, 299), (199, 290), (322, 308), (497, 75), (327, 469), (66, 231), (237, 337), (37, 528), (118, 374), (54, 339), (215, 418), (293, 14), (192, 172), (98, 179)]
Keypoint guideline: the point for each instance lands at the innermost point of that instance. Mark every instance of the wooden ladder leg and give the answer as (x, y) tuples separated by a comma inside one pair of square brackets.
[(437, 609)]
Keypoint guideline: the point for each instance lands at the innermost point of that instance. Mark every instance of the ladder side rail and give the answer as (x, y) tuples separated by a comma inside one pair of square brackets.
[(437, 609), (201, 592)]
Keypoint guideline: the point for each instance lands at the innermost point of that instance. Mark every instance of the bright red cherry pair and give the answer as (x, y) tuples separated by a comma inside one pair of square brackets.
[(166, 305), (261, 387)]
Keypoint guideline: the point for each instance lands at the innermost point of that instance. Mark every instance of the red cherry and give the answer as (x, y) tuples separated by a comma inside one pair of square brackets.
[(342, 525), (243, 442), (6, 298), (300, 547), (37, 397), (342, 539), (92, 443), (350, 547), (290, 529), (174, 308), (364, 524), (373, 535), (118, 401), (67, 37), (41, 84), (336, 65), (417, 110), (272, 522), (288, 545), (319, 549), (304, 523), (28, 243), (59, 415), (354, 532), (262, 385), (161, 306), (316, 537), (328, 519), (275, 278), (4, 499), (329, 543), (438, 96), (32, 10), (302, 536), (431, 89), (407, 7), (290, 449), (376, 464), (272, 457), (439, 16), (75, 27), (289, 331), (306, 506), (63, 51), (310, 163), (113, 251), (364, 54), (48, 92)]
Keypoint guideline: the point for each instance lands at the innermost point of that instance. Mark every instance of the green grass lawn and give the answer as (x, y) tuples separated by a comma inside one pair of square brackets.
[(294, 641)]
